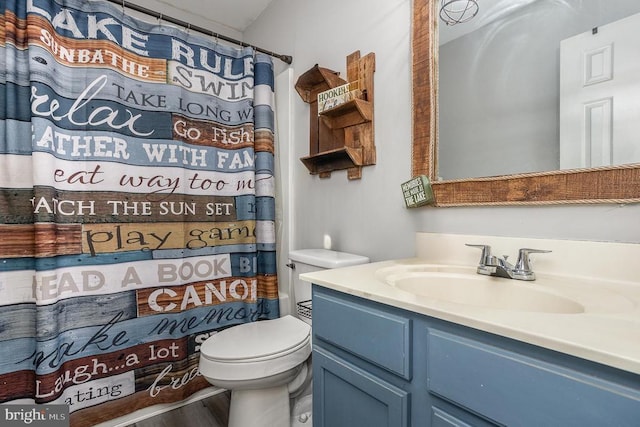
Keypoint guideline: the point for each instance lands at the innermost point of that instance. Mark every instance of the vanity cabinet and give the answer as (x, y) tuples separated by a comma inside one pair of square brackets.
[(377, 365), (362, 366)]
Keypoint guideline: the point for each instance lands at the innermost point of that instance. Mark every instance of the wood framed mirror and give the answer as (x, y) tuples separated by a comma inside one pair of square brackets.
[(611, 184)]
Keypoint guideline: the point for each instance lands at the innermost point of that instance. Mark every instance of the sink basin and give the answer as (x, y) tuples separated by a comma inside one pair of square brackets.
[(383, 273), (459, 286)]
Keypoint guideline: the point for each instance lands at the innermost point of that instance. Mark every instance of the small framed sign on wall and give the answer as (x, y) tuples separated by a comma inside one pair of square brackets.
[(417, 192)]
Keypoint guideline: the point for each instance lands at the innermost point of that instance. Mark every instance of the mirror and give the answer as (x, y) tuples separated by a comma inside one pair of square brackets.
[(514, 93), (529, 186)]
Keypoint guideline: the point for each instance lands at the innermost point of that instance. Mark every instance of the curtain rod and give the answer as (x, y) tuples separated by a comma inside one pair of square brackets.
[(284, 58)]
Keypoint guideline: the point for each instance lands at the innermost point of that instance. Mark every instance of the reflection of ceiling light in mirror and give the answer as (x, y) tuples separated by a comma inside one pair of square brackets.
[(457, 11), (492, 11)]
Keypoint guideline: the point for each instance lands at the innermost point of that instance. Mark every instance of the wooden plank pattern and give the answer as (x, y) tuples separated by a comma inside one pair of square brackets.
[(22, 385), (115, 408), (51, 385), (64, 207), (264, 141), (121, 196), (425, 92), (14, 30), (161, 377), (40, 240), (204, 132), (15, 206), (175, 299), (602, 185), (104, 54), (103, 238)]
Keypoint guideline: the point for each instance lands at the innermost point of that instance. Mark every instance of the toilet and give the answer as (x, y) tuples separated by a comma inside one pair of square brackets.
[(266, 363)]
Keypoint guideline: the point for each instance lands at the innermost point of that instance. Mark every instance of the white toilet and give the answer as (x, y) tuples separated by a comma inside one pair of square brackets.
[(265, 363)]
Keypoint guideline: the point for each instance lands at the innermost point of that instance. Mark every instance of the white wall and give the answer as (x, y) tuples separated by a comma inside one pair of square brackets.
[(368, 216), (177, 12)]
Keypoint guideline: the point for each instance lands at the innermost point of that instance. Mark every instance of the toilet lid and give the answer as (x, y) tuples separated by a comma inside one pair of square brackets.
[(257, 340), (325, 258)]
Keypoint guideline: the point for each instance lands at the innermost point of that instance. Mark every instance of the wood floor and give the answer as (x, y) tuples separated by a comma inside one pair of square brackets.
[(209, 412)]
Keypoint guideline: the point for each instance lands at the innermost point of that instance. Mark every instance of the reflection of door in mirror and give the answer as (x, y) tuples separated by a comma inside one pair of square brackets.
[(499, 86), (599, 93)]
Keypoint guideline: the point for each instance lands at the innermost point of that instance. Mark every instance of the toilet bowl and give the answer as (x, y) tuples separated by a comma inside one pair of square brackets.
[(262, 363), (265, 364)]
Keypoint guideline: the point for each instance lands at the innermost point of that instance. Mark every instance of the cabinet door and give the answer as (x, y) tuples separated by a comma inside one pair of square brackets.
[(516, 390), (345, 395), (446, 414)]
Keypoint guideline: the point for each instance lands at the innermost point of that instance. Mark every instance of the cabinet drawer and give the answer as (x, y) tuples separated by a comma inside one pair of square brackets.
[(515, 390), (376, 336)]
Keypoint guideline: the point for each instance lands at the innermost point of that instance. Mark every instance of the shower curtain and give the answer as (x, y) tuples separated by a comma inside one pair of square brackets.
[(136, 205)]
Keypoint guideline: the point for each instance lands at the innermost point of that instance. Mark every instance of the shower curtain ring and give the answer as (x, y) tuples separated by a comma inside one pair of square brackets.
[(188, 27), (160, 19)]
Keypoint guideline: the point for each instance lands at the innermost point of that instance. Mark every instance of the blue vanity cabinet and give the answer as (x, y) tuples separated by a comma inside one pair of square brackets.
[(361, 364), (376, 365)]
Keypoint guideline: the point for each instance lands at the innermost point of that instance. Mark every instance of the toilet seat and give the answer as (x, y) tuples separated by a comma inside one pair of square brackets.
[(255, 341), (256, 350)]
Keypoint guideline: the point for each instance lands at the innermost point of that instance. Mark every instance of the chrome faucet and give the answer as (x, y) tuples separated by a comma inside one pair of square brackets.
[(491, 265)]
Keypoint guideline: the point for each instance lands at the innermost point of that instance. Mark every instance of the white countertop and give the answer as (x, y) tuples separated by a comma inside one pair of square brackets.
[(607, 331)]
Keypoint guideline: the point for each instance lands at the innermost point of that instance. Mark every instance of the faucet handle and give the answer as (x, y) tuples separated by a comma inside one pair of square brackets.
[(523, 262), (486, 253)]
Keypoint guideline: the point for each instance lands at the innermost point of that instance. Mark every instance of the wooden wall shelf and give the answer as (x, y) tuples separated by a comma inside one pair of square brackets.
[(348, 114), (327, 161), (316, 80), (342, 137)]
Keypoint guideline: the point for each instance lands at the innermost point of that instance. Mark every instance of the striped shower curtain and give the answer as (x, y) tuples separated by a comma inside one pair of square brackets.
[(136, 205)]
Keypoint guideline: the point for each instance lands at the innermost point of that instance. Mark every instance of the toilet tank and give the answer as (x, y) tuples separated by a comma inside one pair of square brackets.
[(309, 260)]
